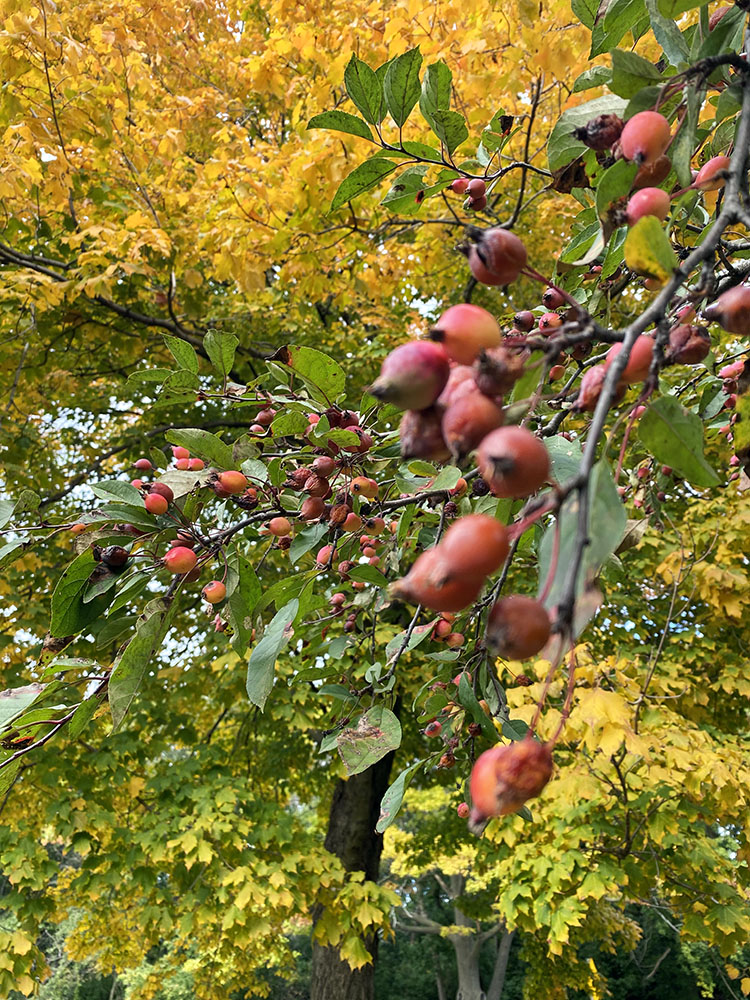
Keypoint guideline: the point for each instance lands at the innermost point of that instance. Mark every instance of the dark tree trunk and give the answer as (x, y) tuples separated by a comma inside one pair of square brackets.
[(351, 837)]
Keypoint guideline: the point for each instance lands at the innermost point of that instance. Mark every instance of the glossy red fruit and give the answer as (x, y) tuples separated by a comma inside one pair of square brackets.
[(428, 582), (156, 504), (645, 137), (504, 777), (464, 330), (553, 299), (460, 381), (421, 436), (352, 522), (600, 133), (460, 185), (214, 592), (639, 361), (196, 464), (550, 321), (477, 204), (180, 559), (233, 482), (143, 464), (518, 627), (468, 421), (433, 728), (78, 529), (497, 257), (323, 557), (182, 464), (365, 441), (265, 417), (361, 486), (463, 810), (163, 490), (476, 188), (279, 526), (137, 483), (497, 370), (413, 375), (324, 466), (475, 545), (712, 175), (732, 310), (513, 462), (180, 452), (688, 345), (524, 320), (652, 174), (647, 201)]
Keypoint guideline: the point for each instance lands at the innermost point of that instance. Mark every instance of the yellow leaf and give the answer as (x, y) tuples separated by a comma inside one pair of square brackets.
[(20, 943), (745, 985), (648, 250)]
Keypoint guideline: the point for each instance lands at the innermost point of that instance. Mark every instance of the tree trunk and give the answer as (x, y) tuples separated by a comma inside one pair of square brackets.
[(351, 836), (466, 947), (497, 983)]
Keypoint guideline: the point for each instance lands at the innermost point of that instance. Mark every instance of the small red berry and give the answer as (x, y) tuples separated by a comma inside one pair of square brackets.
[(214, 592)]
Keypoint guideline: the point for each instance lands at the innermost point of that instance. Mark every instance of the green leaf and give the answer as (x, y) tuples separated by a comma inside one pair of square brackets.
[(364, 89), (6, 511), (7, 551), (260, 669), (597, 76), (306, 540), (668, 35), (220, 348), (390, 804), (447, 478), (404, 194), (436, 91), (450, 128), (630, 73), (613, 184), (289, 424), (648, 250), (132, 662), (133, 588), (563, 146), (514, 729), (363, 178), (183, 353), (341, 122), (585, 11), (69, 613), (396, 642), (607, 522), (15, 701), (116, 489), (673, 8), (619, 18), (203, 444), (681, 150), (470, 702), (368, 574), (401, 85), (315, 367), (585, 241), (244, 591), (377, 732), (565, 457), (82, 716), (674, 436), (726, 35)]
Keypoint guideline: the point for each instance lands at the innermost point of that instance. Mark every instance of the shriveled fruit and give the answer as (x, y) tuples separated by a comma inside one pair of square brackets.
[(413, 375), (464, 330), (518, 627), (651, 174), (312, 508), (214, 592), (180, 559), (428, 582), (421, 436), (688, 345), (712, 175), (497, 370), (600, 133), (590, 389), (468, 421), (513, 462), (504, 777), (645, 137), (647, 201), (115, 556), (497, 256), (732, 310), (639, 361)]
